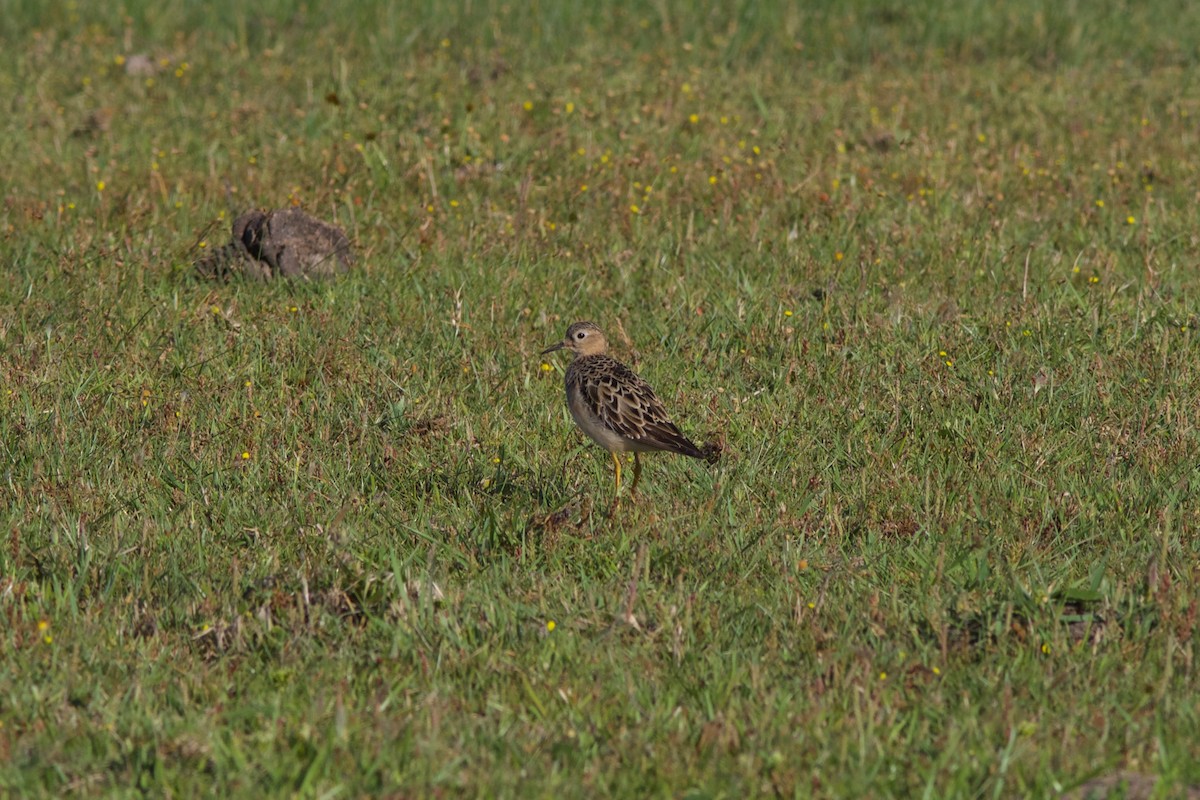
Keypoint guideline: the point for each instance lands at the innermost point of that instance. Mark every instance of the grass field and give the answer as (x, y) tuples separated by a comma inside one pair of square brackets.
[(928, 275)]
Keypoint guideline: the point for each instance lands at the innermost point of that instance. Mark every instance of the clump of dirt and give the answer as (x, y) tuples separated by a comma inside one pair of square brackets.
[(285, 243)]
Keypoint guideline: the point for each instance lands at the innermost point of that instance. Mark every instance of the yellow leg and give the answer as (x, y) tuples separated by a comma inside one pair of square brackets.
[(637, 472), (617, 464)]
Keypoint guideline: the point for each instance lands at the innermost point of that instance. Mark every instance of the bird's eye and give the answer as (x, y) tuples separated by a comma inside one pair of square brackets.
[(580, 335)]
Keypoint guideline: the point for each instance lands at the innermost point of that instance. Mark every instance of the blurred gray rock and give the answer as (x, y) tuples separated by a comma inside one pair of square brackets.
[(140, 65)]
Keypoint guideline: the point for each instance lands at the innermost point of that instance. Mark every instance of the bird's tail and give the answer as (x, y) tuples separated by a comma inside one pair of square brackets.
[(710, 452)]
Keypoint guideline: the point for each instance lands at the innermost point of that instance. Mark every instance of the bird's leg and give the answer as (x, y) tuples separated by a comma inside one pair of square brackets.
[(616, 500), (637, 472)]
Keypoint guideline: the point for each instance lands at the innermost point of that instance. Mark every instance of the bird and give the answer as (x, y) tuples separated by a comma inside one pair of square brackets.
[(614, 406)]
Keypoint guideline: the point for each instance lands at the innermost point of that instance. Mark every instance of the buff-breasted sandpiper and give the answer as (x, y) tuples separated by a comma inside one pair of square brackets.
[(615, 407)]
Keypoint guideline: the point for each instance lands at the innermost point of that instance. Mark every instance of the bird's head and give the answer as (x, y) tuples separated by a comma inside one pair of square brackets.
[(582, 339)]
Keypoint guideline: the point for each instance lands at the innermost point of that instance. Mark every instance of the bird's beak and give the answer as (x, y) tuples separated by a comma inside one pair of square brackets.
[(554, 347)]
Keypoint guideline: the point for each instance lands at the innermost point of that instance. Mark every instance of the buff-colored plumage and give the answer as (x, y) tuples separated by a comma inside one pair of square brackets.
[(615, 407)]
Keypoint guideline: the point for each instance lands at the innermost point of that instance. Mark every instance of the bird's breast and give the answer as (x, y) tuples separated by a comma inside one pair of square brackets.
[(591, 424)]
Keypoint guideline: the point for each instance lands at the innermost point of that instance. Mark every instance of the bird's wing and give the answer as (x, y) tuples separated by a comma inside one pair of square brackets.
[(628, 406)]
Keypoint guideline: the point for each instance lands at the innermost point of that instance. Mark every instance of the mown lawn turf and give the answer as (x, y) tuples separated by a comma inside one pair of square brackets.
[(928, 275)]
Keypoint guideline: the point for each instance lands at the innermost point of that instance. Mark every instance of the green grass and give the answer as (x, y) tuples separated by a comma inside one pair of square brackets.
[(929, 277)]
